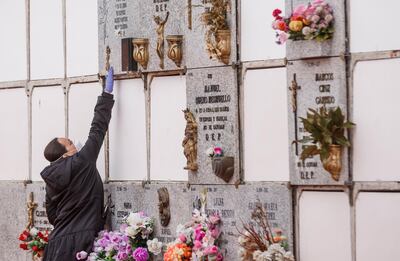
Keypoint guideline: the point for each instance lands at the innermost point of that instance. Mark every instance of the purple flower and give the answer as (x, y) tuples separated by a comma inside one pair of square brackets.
[(81, 255), (141, 254)]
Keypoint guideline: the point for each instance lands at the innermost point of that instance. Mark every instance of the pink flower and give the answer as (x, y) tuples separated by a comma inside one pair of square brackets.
[(215, 232), (81, 255), (282, 38), (197, 245), (199, 235), (220, 257), (141, 254), (299, 11), (215, 219), (182, 238), (211, 250), (218, 151)]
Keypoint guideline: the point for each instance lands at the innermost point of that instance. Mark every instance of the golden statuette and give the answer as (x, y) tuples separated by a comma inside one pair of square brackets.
[(160, 37), (31, 205), (189, 143)]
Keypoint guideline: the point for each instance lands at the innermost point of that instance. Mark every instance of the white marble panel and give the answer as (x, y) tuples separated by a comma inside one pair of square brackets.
[(266, 155), (14, 149), (168, 99), (48, 122), (128, 151)]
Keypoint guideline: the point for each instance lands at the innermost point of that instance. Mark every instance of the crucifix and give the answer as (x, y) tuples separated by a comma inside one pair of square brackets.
[(160, 37), (293, 88), (31, 205)]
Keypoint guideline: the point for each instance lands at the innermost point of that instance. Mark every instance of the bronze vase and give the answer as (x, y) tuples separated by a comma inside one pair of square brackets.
[(223, 39), (333, 164), (223, 167), (141, 51), (175, 48)]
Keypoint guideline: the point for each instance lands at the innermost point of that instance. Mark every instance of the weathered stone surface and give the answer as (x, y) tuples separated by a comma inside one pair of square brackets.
[(308, 49), (40, 215), (322, 82), (13, 220), (212, 97), (234, 208), (195, 51)]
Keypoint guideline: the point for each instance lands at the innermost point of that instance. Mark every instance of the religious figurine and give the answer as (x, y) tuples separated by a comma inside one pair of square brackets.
[(31, 205), (163, 206), (160, 37), (189, 143)]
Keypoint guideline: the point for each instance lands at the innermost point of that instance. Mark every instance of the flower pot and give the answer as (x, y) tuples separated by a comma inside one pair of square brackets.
[(223, 38), (333, 164), (141, 51), (223, 167), (175, 48)]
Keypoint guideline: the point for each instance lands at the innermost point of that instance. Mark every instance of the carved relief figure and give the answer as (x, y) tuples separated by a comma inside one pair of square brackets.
[(163, 206), (160, 37), (190, 141)]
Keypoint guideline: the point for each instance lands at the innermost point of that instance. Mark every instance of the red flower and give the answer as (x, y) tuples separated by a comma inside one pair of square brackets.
[(23, 246), (35, 248), (40, 235), (22, 237), (276, 12)]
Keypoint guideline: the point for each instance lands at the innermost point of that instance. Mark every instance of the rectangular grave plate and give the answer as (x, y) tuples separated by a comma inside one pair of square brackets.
[(212, 97), (233, 208), (320, 82)]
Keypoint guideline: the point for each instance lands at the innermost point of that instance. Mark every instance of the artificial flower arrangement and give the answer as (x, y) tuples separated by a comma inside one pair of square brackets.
[(214, 152), (197, 240), (34, 241), (307, 22), (133, 242), (258, 242)]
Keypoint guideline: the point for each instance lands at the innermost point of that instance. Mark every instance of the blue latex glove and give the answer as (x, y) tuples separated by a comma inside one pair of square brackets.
[(110, 81)]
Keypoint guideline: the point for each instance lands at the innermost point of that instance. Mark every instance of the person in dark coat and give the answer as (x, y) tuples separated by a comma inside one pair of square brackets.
[(74, 189)]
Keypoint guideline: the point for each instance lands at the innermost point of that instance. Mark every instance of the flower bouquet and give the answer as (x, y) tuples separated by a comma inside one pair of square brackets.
[(197, 240), (307, 22), (34, 240), (131, 243), (258, 242)]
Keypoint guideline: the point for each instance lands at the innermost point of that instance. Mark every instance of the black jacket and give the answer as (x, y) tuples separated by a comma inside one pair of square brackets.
[(74, 192)]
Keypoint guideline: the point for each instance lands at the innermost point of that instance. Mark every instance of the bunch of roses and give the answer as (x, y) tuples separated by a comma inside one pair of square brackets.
[(132, 242), (201, 234), (308, 22), (34, 240)]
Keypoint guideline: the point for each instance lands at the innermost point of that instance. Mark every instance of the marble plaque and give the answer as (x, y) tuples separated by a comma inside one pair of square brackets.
[(195, 43), (13, 220), (39, 196), (320, 82), (119, 19), (126, 197), (212, 97), (233, 208), (116, 21), (311, 48), (179, 199)]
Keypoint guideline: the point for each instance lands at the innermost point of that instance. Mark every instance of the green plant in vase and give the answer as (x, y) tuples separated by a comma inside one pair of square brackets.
[(326, 128)]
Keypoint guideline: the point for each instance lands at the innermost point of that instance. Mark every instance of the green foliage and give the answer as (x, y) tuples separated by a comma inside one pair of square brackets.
[(326, 127)]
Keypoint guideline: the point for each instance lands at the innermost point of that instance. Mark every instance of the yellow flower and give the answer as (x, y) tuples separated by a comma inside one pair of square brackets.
[(296, 26)]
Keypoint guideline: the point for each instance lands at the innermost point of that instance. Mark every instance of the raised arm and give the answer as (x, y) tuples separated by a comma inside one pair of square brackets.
[(101, 119)]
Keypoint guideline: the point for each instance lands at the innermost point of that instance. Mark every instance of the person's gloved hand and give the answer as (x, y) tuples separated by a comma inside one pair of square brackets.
[(110, 81)]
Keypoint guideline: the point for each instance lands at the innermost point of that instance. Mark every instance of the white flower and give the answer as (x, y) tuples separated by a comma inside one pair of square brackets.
[(154, 246), (306, 30), (328, 18), (34, 231), (131, 231), (288, 256), (210, 152), (276, 248), (256, 254), (134, 219)]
